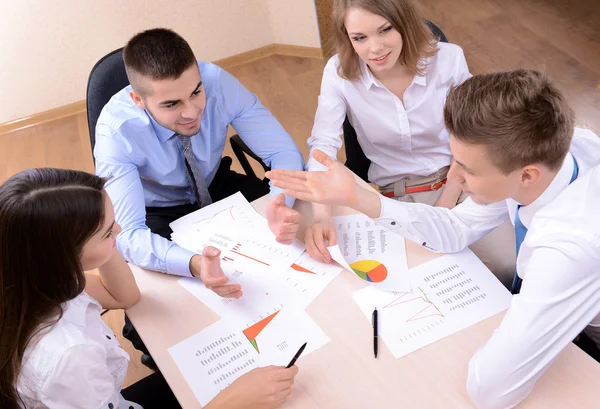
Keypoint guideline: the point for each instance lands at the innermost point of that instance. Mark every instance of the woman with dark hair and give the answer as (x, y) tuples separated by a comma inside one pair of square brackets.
[(55, 349)]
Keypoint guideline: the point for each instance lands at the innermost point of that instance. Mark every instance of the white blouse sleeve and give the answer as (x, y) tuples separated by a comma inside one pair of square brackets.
[(81, 380), (331, 112), (462, 69)]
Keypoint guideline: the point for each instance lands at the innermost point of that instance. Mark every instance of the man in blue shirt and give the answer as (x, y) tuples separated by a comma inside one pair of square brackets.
[(161, 140)]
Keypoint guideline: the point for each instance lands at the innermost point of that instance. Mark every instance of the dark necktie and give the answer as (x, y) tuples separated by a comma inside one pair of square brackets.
[(193, 173)]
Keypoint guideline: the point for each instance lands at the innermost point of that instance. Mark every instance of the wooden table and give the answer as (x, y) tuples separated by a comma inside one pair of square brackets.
[(343, 374)]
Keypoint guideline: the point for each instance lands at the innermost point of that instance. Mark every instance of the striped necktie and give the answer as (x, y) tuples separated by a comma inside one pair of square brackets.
[(193, 173), (521, 231)]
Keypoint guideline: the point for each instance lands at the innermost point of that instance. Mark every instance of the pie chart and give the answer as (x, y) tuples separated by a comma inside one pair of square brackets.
[(370, 270)]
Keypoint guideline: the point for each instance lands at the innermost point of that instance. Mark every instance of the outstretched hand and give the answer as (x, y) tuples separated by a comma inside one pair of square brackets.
[(336, 186)]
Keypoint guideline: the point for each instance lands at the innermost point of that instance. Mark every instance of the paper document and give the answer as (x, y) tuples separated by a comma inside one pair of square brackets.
[(307, 278), (232, 208), (267, 324), (265, 289), (372, 252), (449, 294), (215, 357)]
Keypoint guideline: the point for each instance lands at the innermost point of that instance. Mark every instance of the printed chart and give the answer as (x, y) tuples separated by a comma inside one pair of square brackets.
[(372, 252), (370, 270), (254, 330), (215, 357), (267, 324), (451, 293)]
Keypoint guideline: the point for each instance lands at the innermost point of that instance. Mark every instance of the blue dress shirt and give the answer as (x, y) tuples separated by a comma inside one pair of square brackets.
[(147, 169)]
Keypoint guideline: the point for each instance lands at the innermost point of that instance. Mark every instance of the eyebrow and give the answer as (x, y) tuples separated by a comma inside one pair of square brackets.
[(378, 28), (174, 101), (109, 228), (463, 166)]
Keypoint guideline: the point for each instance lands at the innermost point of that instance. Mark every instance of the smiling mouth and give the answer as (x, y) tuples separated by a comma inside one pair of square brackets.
[(188, 123), (381, 58)]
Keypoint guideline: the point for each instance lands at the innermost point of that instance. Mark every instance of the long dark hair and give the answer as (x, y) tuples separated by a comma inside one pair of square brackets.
[(46, 216)]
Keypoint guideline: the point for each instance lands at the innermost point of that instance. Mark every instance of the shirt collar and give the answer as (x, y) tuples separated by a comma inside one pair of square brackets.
[(161, 132), (369, 79), (75, 310), (558, 184)]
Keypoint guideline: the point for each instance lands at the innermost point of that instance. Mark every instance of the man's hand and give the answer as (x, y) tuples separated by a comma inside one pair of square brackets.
[(283, 221), (261, 388), (207, 267), (335, 187)]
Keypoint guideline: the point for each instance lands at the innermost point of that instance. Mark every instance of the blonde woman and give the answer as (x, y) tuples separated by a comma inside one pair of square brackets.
[(390, 77)]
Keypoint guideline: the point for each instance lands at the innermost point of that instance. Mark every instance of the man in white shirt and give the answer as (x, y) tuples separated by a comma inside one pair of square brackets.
[(517, 155)]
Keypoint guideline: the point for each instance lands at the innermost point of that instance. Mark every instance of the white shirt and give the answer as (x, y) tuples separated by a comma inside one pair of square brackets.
[(77, 364), (400, 139), (559, 262)]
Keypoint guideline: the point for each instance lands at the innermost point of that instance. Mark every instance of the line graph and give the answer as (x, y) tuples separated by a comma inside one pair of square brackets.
[(236, 249), (420, 307), (231, 213)]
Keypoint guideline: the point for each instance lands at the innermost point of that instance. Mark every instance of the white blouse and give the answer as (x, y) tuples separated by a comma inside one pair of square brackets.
[(77, 364), (399, 138)]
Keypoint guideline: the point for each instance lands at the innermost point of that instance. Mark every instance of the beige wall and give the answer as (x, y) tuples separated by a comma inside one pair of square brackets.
[(294, 22), (47, 48)]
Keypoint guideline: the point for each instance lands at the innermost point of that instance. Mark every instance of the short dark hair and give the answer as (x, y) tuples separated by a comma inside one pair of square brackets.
[(520, 116), (158, 54)]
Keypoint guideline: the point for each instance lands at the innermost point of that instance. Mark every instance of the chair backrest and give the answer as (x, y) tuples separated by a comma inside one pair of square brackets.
[(106, 79), (356, 160)]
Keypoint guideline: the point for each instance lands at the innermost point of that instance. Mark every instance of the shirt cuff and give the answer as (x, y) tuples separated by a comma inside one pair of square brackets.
[(394, 215), (288, 199), (178, 261)]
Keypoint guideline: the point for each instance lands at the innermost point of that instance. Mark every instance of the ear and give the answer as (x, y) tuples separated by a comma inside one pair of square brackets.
[(530, 175), (137, 99)]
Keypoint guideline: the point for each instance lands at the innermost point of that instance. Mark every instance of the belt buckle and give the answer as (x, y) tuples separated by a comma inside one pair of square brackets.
[(436, 185)]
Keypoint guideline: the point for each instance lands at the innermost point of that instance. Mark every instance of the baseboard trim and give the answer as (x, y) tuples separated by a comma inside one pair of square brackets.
[(269, 50), (226, 63), (42, 117)]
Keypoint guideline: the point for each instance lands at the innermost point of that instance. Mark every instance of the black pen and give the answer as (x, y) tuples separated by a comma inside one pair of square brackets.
[(374, 319), (295, 358)]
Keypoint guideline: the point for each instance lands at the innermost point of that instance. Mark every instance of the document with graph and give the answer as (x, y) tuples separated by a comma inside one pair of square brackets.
[(373, 253), (265, 288), (232, 208), (271, 274), (215, 357), (449, 294)]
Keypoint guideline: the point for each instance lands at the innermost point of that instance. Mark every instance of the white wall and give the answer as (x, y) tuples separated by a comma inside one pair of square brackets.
[(47, 48)]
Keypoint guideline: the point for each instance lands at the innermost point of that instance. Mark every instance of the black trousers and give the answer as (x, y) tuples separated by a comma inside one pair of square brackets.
[(225, 183), (152, 392), (588, 346)]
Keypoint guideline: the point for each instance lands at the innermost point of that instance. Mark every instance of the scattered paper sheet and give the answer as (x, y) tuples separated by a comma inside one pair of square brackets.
[(215, 357), (234, 207), (372, 252), (449, 294)]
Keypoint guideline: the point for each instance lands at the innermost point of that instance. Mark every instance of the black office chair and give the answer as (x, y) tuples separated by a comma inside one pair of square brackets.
[(109, 77), (356, 160)]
